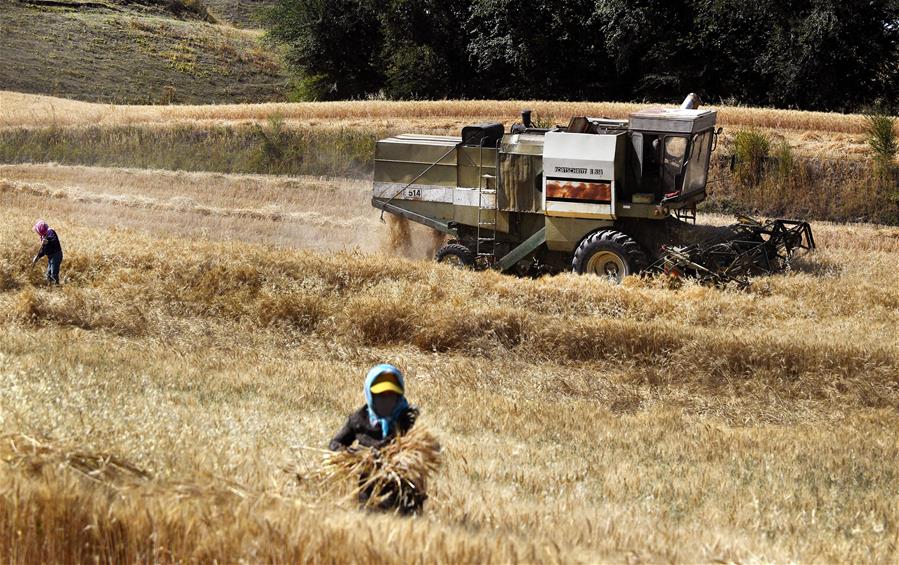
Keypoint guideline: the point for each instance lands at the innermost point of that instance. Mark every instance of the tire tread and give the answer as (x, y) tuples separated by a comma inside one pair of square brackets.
[(635, 256), (455, 249)]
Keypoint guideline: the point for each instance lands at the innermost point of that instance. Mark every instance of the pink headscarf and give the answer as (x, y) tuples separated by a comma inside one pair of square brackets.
[(41, 228)]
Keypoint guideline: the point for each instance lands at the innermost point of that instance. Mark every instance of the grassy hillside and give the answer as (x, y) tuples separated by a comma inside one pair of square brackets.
[(131, 52), (239, 13), (157, 407)]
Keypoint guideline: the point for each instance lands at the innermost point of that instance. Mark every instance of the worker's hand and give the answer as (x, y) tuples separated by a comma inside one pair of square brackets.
[(337, 446)]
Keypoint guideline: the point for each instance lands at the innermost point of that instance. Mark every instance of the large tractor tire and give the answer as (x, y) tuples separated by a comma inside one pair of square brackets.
[(455, 255), (609, 254)]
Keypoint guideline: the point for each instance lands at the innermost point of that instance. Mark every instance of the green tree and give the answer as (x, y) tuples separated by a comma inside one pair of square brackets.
[(728, 38), (538, 49), (424, 50), (810, 54), (832, 54), (649, 42), (332, 45)]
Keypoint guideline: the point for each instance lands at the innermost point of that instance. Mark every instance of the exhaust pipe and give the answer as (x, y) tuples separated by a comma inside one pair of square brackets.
[(526, 118), (691, 102)]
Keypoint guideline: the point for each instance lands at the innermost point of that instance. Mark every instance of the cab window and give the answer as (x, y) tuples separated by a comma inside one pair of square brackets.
[(698, 166), (673, 164), (649, 180)]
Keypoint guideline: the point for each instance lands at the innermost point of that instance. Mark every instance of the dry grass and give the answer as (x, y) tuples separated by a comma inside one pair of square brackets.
[(118, 513), (26, 110), (580, 422)]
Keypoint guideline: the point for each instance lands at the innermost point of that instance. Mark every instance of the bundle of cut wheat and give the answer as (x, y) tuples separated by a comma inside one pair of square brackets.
[(34, 455), (391, 478)]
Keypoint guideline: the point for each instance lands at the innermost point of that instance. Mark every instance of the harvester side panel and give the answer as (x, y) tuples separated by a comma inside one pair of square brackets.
[(422, 160), (435, 177), (580, 175), (564, 234), (472, 164)]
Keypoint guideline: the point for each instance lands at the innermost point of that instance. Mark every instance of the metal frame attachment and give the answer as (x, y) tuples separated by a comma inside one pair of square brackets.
[(752, 248)]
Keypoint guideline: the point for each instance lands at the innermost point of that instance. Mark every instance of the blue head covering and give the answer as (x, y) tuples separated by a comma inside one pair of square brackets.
[(388, 422)]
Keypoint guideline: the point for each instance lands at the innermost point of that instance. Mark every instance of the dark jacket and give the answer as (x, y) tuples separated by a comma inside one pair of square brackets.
[(359, 428), (50, 245)]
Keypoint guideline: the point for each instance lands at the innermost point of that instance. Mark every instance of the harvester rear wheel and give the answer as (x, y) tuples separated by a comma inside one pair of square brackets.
[(455, 255), (609, 254)]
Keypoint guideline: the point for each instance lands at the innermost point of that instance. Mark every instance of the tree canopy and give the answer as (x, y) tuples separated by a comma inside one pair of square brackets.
[(808, 54)]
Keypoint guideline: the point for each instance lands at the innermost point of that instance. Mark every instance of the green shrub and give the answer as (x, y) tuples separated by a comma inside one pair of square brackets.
[(881, 130), (309, 88), (273, 145), (751, 149), (881, 136), (783, 156)]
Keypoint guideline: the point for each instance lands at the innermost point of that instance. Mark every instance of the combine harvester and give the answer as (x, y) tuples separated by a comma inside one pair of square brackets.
[(601, 196)]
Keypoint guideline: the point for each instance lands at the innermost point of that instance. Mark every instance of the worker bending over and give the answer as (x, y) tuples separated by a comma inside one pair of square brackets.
[(51, 248)]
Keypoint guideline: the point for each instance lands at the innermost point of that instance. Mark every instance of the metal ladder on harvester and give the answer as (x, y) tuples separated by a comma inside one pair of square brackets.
[(485, 246)]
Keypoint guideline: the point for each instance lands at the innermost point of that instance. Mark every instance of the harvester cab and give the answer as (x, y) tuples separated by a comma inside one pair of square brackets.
[(599, 195)]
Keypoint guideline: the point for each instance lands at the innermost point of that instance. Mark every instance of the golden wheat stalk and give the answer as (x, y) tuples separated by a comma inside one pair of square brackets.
[(403, 465)]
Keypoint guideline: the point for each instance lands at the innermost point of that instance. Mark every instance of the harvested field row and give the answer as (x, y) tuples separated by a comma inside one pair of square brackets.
[(308, 212)]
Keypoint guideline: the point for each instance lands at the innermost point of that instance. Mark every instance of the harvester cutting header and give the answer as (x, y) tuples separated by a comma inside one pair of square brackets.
[(601, 196)]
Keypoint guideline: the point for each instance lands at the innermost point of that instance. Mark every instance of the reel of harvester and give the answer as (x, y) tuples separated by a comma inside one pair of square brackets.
[(749, 248)]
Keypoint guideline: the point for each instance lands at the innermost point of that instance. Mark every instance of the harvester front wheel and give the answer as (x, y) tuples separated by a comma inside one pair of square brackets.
[(455, 255), (608, 254)]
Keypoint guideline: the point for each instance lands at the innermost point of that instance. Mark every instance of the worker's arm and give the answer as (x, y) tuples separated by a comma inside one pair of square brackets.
[(345, 437), (40, 252), (375, 443), (406, 420)]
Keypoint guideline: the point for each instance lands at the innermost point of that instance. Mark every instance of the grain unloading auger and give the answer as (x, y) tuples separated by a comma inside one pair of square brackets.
[(602, 196)]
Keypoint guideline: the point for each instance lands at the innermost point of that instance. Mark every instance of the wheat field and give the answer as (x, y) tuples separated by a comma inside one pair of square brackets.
[(169, 403), (812, 134), (19, 109)]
